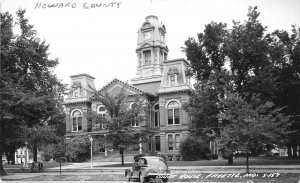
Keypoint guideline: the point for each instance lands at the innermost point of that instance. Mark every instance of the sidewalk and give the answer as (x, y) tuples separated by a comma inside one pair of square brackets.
[(102, 167)]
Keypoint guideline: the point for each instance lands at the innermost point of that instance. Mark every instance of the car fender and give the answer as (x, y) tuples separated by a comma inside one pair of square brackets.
[(144, 172), (127, 172)]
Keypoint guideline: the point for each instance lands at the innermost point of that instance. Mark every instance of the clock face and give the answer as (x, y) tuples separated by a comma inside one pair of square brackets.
[(147, 35)]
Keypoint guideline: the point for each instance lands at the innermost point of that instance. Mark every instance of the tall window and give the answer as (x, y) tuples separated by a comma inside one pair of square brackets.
[(76, 121), (173, 145), (173, 113), (177, 141), (150, 143), (170, 142), (134, 122), (103, 113), (156, 115), (147, 57), (157, 143), (172, 80)]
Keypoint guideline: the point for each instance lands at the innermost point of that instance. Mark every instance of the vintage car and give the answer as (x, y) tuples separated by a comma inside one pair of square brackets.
[(146, 167)]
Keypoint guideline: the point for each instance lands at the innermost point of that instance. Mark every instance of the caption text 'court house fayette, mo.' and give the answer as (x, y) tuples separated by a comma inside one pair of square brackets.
[(85, 5)]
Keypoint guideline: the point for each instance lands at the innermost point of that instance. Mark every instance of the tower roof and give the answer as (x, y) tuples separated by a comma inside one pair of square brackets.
[(153, 21)]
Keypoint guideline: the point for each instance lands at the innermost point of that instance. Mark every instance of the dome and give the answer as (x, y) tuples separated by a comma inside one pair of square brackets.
[(152, 21)]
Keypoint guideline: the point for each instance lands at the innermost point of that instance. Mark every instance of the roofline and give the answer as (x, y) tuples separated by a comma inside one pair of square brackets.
[(83, 74), (125, 83), (178, 59)]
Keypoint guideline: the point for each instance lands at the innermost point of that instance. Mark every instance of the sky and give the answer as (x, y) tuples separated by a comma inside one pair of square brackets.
[(101, 41)]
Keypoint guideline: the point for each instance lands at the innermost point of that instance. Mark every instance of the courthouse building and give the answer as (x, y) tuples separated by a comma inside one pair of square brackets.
[(162, 81)]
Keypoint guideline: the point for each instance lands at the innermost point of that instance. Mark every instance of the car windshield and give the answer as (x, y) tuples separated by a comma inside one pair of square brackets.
[(157, 162)]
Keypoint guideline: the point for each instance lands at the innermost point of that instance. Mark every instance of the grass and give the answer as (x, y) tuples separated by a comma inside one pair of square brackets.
[(17, 167), (237, 161), (204, 177)]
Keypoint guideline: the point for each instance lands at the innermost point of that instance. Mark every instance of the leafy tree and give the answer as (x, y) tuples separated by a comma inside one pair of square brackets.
[(194, 148), (250, 123), (286, 54), (38, 136), (204, 107), (208, 54), (30, 93), (259, 64), (121, 116)]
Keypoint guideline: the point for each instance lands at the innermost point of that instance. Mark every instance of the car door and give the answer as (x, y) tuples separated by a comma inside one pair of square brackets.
[(135, 169)]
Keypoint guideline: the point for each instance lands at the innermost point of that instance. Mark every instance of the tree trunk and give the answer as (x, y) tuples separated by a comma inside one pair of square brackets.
[(34, 149), (12, 151), (122, 157), (247, 162), (289, 148), (2, 171), (230, 159), (294, 150)]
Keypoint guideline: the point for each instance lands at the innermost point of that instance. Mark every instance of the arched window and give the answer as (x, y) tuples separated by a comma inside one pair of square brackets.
[(173, 113), (156, 120), (170, 142), (135, 122), (76, 121), (146, 25), (103, 113), (177, 141), (102, 110)]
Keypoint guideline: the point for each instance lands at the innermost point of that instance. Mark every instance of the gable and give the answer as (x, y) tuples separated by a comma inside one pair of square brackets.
[(145, 45), (116, 86)]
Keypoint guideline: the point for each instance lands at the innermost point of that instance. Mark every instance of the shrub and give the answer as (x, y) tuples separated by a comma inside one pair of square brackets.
[(194, 148), (214, 156), (78, 149), (48, 152), (226, 153)]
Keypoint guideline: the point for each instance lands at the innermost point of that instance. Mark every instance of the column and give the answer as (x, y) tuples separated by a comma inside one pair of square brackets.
[(143, 59), (140, 147), (105, 147), (163, 142), (152, 56)]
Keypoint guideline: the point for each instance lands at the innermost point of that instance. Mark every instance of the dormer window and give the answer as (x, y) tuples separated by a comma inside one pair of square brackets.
[(172, 80), (173, 76), (76, 89)]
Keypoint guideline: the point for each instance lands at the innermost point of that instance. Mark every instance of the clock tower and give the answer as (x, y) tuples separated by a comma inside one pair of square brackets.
[(151, 50)]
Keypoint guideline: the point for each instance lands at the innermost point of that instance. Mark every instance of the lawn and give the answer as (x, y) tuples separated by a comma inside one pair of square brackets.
[(222, 162), (204, 177), (17, 167)]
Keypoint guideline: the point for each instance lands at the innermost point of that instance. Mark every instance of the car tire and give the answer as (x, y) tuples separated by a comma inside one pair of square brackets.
[(165, 180), (128, 177), (143, 179)]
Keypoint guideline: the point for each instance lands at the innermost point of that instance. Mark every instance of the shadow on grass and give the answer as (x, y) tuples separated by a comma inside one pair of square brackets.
[(241, 161)]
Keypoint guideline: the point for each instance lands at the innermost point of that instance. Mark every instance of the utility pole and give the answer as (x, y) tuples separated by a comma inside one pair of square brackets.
[(91, 140)]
